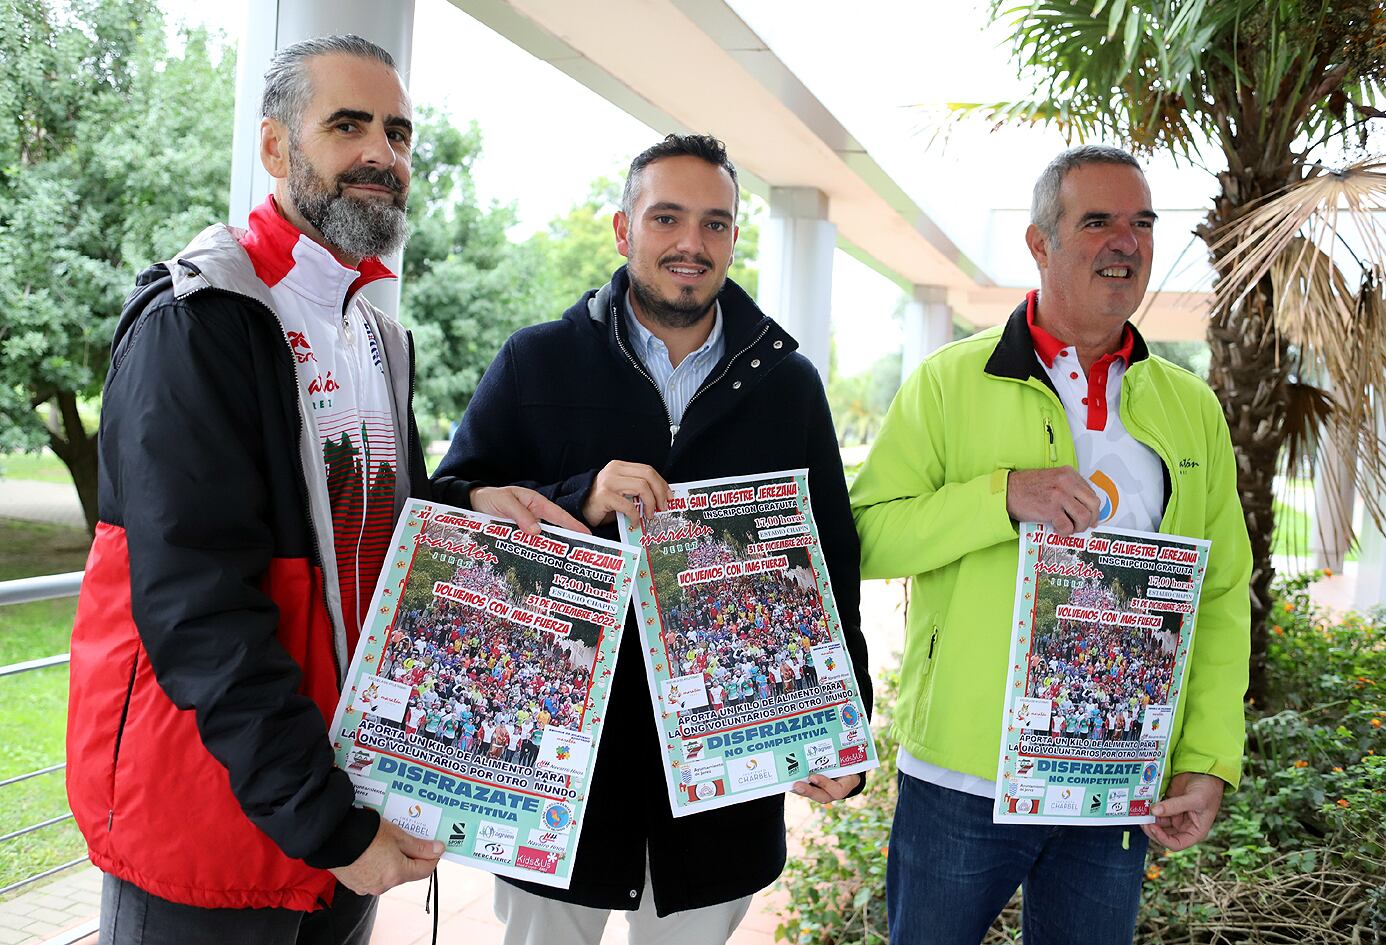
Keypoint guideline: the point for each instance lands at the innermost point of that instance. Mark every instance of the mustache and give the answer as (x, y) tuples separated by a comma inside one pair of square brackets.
[(693, 260), (375, 176)]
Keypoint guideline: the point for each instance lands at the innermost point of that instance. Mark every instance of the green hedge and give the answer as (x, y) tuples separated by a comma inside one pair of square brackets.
[(1298, 854)]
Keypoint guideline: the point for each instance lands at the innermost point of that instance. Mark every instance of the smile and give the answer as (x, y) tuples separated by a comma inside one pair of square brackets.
[(686, 272), (1116, 272)]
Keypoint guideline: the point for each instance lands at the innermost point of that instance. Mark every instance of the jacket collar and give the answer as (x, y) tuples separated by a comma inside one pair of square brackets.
[(279, 251), (1015, 353), (743, 323)]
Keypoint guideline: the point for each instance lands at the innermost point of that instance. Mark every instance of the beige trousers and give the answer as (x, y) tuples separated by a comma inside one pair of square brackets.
[(535, 920)]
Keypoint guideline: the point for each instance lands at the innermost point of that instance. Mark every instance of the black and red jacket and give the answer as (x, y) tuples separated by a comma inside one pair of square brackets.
[(209, 650)]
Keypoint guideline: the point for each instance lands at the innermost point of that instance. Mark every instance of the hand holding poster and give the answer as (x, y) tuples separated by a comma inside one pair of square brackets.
[(748, 669), (474, 703), (1101, 635)]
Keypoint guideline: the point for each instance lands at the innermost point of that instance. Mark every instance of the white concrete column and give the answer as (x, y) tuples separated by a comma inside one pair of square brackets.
[(796, 269), (1335, 493), (1370, 587), (928, 325), (274, 24)]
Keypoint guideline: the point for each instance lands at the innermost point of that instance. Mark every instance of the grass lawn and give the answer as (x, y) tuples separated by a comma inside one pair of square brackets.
[(33, 705), (39, 467)]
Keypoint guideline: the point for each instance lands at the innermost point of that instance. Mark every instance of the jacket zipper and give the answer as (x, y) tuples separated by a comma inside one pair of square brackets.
[(120, 735), (298, 457), (668, 416), (1049, 432)]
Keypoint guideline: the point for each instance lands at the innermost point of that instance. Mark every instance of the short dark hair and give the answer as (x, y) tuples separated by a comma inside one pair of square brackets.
[(287, 86), (705, 147), (1045, 207)]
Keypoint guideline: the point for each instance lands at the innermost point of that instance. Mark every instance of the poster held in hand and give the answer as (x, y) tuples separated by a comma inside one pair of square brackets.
[(1100, 641), (474, 703), (752, 685)]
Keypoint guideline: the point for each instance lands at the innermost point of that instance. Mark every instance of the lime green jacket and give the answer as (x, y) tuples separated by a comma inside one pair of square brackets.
[(930, 504)]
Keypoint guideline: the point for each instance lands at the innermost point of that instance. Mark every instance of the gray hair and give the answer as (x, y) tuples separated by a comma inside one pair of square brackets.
[(1045, 207), (287, 86)]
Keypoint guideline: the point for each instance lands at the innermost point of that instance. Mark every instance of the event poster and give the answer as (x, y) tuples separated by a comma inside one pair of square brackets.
[(748, 669), (474, 704), (1103, 625)]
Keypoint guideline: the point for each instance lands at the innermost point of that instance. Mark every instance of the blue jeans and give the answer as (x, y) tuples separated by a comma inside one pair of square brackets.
[(951, 871)]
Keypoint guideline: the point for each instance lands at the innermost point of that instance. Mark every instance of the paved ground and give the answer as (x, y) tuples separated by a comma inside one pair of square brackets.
[(40, 502)]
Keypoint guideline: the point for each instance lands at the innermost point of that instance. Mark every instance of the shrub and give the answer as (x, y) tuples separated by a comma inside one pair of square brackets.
[(1298, 853)]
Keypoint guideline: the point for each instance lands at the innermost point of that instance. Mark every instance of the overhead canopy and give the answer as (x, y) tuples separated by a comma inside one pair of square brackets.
[(694, 65)]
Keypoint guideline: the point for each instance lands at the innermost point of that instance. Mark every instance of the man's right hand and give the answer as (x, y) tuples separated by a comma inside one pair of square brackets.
[(394, 857), (1059, 497), (617, 487)]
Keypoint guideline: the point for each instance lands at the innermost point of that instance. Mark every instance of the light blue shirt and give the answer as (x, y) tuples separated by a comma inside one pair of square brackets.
[(677, 385)]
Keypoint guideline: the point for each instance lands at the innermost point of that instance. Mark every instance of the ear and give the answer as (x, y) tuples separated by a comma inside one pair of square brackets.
[(1038, 246), (274, 147), (620, 224)]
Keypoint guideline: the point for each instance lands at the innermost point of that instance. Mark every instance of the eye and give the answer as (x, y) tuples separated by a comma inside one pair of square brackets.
[(664, 219), (718, 226), (344, 126)]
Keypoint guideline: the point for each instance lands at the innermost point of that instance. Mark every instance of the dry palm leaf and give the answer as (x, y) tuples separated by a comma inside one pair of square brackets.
[(1302, 238)]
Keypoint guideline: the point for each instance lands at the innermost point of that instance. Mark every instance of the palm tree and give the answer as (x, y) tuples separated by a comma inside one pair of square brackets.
[(1260, 86)]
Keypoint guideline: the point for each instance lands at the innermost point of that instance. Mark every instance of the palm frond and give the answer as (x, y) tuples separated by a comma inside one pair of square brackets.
[(1303, 239)]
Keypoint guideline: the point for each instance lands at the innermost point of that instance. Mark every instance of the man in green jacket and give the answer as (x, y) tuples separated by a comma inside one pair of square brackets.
[(1060, 416)]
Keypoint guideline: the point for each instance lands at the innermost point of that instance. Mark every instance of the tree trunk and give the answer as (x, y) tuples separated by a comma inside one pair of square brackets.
[(68, 439), (1249, 370)]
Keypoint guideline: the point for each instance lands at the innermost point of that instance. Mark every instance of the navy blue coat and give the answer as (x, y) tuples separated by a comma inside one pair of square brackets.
[(562, 400)]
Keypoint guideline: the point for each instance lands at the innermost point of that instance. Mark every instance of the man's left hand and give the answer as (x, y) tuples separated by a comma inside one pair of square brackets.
[(825, 790), (524, 506), (1186, 814)]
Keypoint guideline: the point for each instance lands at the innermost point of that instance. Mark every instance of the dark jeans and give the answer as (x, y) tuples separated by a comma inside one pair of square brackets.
[(131, 916), (951, 871)]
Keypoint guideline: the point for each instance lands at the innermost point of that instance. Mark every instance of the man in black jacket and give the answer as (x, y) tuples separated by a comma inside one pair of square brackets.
[(669, 373), (257, 445)]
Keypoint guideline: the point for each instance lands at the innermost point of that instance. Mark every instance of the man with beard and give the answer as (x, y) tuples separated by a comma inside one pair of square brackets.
[(668, 373), (256, 447)]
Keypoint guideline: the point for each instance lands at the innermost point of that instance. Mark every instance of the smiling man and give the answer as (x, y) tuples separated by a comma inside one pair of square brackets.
[(1060, 416), (668, 373), (257, 446)]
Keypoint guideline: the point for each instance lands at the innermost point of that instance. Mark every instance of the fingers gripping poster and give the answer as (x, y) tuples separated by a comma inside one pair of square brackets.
[(1100, 642), (474, 703), (749, 673)]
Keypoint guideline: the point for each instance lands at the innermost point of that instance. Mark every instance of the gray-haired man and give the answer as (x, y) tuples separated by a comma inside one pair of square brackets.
[(256, 447)]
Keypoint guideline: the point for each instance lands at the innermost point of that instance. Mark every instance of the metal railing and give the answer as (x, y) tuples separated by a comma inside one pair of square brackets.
[(24, 591)]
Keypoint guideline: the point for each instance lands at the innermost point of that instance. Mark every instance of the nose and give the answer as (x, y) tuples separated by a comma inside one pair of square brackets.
[(376, 149), (1122, 239), (690, 238)]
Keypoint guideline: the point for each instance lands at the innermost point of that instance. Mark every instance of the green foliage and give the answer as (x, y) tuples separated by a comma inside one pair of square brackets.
[(1298, 852), (466, 287), (579, 247), (1255, 77), (859, 403), (837, 885), (113, 152), (35, 703)]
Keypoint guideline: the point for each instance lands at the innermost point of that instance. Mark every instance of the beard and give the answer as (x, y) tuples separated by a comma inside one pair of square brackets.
[(682, 311), (355, 226)]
